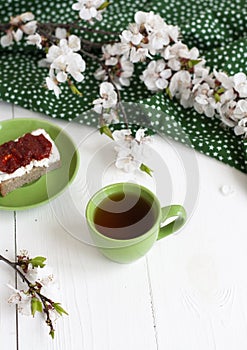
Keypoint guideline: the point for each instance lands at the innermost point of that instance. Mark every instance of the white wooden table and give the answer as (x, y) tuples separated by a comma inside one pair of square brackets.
[(188, 293)]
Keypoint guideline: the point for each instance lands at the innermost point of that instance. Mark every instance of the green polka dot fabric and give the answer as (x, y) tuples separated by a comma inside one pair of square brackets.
[(217, 28)]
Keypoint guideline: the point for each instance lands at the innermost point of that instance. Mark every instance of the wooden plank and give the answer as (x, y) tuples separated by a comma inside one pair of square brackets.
[(7, 276), (8, 338), (198, 277)]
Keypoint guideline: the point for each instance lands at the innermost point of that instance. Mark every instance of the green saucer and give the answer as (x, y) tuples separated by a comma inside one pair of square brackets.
[(48, 186)]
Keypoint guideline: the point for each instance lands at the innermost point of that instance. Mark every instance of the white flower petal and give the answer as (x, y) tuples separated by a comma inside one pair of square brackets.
[(27, 16), (74, 43), (30, 27), (17, 35), (62, 77), (61, 33), (6, 40)]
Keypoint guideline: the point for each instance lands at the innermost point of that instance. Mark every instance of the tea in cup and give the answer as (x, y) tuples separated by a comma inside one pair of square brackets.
[(125, 219)]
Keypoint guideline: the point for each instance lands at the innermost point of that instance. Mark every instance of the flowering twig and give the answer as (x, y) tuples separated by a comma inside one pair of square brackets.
[(35, 300)]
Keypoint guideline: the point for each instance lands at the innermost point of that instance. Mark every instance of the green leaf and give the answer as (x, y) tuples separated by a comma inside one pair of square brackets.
[(220, 91), (36, 305), (103, 6), (59, 309), (146, 169), (38, 261), (52, 333), (217, 97), (105, 130), (168, 92), (74, 89), (192, 63)]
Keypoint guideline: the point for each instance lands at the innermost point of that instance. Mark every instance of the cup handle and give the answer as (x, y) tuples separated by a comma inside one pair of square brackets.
[(168, 212)]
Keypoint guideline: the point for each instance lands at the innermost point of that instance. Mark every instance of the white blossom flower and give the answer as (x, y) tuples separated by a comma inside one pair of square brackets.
[(133, 52), (64, 48), (180, 87), (129, 152), (121, 69), (202, 74), (122, 135), (156, 75), (177, 53), (160, 38), (240, 111), (22, 300), (89, 9), (43, 275), (158, 33), (121, 72), (75, 65), (241, 128), (109, 54), (126, 70), (132, 35), (34, 39), (60, 33), (224, 79), (138, 55), (226, 112), (108, 97), (146, 36), (240, 84), (52, 84), (234, 113), (204, 101), (140, 136), (171, 54), (108, 94), (11, 36), (129, 158), (150, 21), (111, 58), (20, 24), (63, 61), (227, 95)]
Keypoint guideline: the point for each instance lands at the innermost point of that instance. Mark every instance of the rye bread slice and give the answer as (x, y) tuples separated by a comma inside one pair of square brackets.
[(12, 184)]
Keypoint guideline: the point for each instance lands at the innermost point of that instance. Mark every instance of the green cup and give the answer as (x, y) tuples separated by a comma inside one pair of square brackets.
[(131, 249)]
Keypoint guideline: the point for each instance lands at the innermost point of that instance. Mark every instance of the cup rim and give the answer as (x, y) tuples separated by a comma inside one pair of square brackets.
[(131, 240)]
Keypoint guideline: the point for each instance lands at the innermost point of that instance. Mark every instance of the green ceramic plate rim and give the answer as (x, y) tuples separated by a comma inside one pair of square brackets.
[(40, 123)]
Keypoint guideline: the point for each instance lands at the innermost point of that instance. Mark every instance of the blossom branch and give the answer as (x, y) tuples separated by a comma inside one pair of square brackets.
[(172, 68), (46, 30), (36, 300)]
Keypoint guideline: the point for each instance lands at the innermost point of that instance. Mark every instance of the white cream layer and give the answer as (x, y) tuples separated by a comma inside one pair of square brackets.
[(45, 162)]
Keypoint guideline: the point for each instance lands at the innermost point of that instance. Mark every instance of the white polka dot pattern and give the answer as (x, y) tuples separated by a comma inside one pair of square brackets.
[(217, 28)]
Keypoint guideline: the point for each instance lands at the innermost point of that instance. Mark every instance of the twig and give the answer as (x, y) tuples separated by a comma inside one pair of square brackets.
[(4, 27), (77, 26), (33, 290)]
